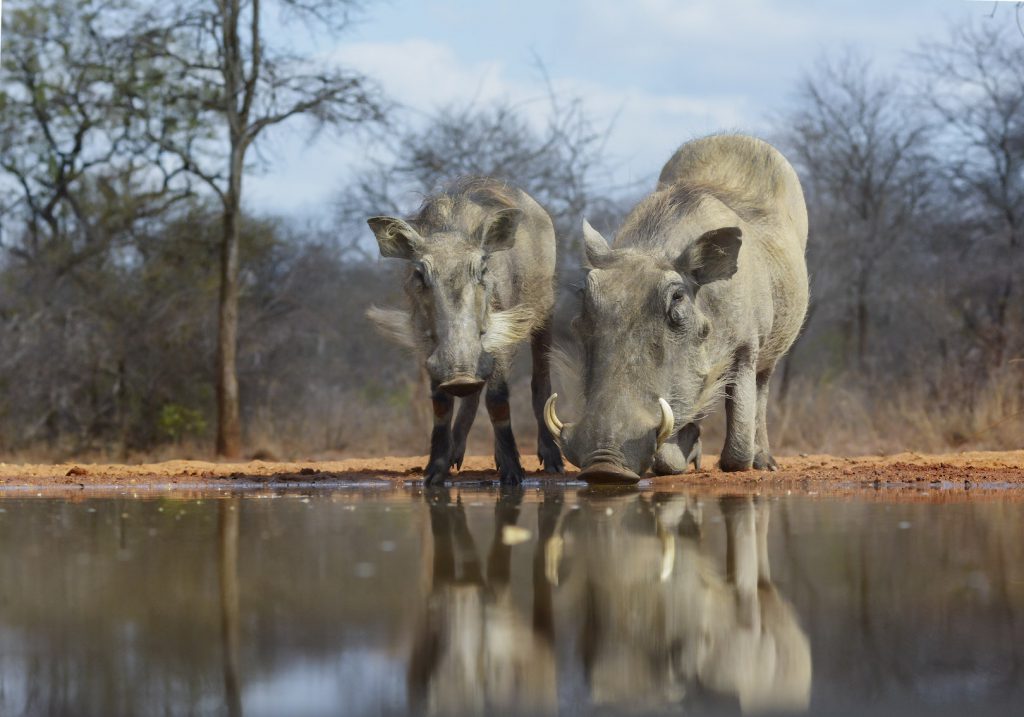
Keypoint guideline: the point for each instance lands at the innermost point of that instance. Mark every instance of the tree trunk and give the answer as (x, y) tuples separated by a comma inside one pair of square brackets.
[(862, 322), (862, 333), (229, 428)]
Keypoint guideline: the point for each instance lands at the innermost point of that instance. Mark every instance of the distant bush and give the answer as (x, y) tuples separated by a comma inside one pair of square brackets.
[(176, 422)]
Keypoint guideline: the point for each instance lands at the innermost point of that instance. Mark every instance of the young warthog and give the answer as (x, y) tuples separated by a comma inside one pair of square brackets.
[(706, 288), (480, 280)]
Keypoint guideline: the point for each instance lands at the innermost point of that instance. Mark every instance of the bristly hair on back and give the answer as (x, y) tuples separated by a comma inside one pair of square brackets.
[(661, 209), (743, 173), (440, 211)]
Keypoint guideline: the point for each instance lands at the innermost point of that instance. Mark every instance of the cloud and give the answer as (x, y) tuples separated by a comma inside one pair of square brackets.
[(424, 75), (665, 70)]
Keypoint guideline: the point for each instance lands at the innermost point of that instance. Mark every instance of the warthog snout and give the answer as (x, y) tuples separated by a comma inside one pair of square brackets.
[(462, 386), (606, 465), (606, 472)]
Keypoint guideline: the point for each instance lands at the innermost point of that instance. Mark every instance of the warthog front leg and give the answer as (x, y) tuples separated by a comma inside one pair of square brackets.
[(742, 557), (440, 437), (547, 449), (689, 444), (675, 456), (740, 416), (548, 513), (506, 454), (763, 457), (499, 559), (463, 422)]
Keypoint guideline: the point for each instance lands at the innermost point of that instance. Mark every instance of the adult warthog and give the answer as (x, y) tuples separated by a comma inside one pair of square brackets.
[(705, 289), (481, 264)]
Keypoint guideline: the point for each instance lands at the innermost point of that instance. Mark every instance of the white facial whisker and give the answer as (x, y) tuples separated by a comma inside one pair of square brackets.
[(509, 327), (395, 325)]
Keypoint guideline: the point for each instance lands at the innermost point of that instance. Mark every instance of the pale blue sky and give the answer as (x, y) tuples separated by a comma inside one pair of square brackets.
[(666, 70)]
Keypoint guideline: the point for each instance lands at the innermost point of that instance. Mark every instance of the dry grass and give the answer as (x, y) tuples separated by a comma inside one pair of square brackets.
[(839, 417), (858, 417)]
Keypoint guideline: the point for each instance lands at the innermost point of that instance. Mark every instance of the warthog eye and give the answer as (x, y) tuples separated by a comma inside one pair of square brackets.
[(677, 304), (419, 279)]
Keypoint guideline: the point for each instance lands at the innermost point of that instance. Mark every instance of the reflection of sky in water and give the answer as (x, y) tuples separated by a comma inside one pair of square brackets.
[(368, 602), (360, 681)]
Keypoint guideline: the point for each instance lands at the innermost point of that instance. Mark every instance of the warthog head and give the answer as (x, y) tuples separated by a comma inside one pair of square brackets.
[(644, 365), (450, 290)]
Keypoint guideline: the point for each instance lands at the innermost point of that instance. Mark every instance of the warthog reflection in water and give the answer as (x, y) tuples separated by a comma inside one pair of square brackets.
[(661, 622), (475, 652)]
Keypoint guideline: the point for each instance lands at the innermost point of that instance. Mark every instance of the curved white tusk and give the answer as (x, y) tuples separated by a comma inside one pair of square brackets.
[(551, 418), (668, 421)]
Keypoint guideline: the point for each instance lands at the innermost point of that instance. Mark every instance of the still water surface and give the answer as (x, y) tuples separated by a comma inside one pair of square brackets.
[(370, 602)]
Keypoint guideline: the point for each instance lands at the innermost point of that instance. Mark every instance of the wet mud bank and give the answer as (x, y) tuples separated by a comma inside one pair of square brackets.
[(1002, 472)]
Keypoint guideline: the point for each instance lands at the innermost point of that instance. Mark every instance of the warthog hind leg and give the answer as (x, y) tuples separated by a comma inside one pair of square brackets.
[(676, 455)]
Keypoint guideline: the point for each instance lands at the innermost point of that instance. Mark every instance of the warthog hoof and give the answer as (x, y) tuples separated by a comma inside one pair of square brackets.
[(730, 464), (458, 453), (435, 475), (550, 459), (669, 460), (510, 473), (763, 461)]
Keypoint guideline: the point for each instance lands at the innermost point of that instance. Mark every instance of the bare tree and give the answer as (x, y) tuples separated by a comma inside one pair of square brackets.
[(70, 181), (560, 163), (974, 87), (210, 82), (865, 168)]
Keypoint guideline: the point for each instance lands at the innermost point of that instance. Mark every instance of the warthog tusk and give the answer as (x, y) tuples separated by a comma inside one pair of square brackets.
[(668, 553), (552, 557), (551, 418), (668, 421)]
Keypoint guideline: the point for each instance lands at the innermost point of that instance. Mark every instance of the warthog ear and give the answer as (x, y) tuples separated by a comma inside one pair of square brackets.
[(596, 245), (396, 239), (500, 234), (713, 256)]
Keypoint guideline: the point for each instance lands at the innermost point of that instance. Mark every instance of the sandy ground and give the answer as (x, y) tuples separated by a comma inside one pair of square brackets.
[(961, 470)]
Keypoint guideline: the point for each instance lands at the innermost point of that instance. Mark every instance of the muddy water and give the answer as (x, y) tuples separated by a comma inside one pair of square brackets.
[(368, 602)]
